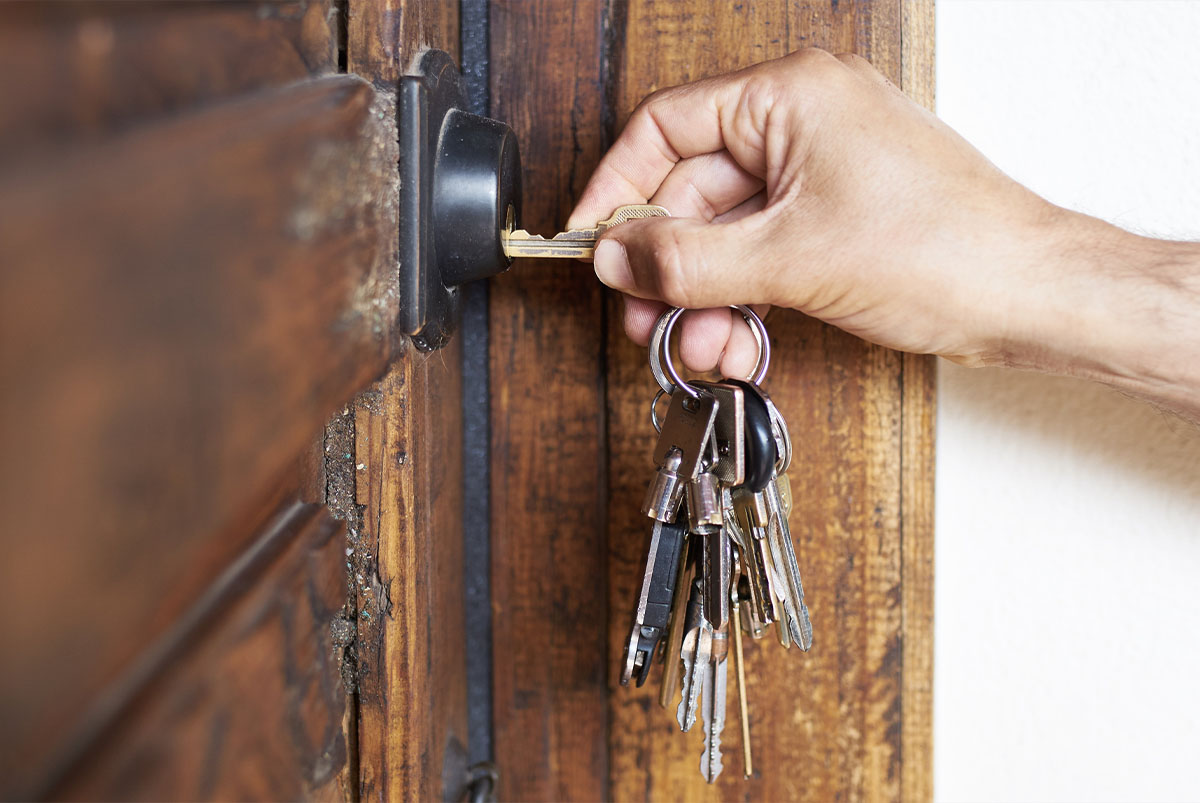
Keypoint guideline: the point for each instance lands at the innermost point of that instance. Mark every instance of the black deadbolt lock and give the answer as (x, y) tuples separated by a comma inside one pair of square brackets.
[(460, 186)]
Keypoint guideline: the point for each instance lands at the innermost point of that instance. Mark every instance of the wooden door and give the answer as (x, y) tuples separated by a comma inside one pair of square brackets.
[(232, 496), (571, 446), (212, 589)]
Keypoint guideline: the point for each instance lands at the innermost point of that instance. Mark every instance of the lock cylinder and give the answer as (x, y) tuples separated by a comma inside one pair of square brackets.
[(476, 195)]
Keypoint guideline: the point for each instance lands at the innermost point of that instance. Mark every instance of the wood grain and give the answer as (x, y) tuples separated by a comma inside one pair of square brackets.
[(385, 36), (80, 71), (919, 404), (250, 706), (183, 306), (828, 724), (406, 534), (548, 422)]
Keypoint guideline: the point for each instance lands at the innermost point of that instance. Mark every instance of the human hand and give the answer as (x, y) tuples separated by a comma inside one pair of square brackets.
[(811, 182)]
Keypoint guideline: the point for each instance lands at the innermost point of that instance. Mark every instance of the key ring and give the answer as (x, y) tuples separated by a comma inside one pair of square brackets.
[(654, 410), (660, 357)]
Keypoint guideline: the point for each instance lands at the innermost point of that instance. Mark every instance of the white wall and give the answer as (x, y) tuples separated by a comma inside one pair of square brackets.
[(1068, 542)]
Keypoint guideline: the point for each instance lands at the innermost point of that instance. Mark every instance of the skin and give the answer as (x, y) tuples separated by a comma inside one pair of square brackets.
[(811, 182)]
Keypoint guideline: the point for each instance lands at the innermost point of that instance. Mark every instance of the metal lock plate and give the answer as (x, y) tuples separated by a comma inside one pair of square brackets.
[(460, 184)]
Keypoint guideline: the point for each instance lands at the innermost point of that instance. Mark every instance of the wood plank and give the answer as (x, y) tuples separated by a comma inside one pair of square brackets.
[(385, 36), (919, 405), (547, 417), (826, 725), (251, 705), (72, 71), (406, 534), (183, 307)]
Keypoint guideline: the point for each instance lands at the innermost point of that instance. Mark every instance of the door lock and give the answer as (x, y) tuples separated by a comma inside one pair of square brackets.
[(460, 189)]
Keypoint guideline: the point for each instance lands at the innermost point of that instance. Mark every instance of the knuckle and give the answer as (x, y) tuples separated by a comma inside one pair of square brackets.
[(815, 60)]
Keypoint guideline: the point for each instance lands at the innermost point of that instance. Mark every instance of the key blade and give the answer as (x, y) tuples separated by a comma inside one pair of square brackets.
[(685, 714), (799, 623), (713, 706), (575, 243), (578, 244)]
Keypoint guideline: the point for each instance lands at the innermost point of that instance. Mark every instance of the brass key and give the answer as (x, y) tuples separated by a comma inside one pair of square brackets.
[(576, 243)]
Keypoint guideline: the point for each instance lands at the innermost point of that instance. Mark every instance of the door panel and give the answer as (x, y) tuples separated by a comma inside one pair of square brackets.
[(547, 409), (80, 70), (851, 718), (251, 704), (406, 520), (199, 267), (204, 293)]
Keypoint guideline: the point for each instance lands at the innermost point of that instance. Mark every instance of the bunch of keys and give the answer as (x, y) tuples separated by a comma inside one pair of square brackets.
[(720, 561)]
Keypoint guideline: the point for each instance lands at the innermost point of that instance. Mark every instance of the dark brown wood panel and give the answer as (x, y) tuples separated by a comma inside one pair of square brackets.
[(408, 564), (406, 534), (385, 36), (251, 707), (547, 416), (180, 309), (81, 70)]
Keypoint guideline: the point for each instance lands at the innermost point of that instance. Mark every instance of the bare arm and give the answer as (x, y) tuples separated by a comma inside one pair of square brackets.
[(810, 182)]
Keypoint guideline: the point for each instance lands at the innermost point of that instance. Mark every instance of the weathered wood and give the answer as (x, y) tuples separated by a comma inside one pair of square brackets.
[(407, 537), (72, 71), (828, 724), (250, 703), (548, 422), (180, 309), (385, 36), (919, 406)]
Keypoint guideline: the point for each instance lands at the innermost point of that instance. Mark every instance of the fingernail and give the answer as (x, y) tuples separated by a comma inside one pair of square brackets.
[(612, 266)]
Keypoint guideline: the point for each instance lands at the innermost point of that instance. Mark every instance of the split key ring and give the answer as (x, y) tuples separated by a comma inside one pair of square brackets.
[(663, 368)]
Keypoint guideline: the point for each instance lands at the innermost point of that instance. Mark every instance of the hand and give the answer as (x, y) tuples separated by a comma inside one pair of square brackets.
[(811, 182)]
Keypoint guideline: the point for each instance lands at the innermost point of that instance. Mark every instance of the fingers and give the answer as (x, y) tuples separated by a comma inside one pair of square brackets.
[(739, 357), (667, 127), (706, 186), (704, 337), (725, 113), (640, 316), (709, 338), (755, 203), (686, 263)]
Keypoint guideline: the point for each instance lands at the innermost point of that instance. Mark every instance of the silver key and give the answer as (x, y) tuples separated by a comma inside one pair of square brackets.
[(799, 624), (760, 608), (697, 652), (729, 432), (713, 705), (682, 446), (704, 522)]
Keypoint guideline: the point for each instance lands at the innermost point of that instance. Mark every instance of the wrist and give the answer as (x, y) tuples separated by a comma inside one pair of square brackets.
[(1109, 305)]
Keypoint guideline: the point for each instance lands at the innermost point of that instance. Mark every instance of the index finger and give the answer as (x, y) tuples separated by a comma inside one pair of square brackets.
[(669, 126)]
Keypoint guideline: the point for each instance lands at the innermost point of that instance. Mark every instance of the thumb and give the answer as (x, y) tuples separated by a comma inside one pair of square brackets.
[(684, 262)]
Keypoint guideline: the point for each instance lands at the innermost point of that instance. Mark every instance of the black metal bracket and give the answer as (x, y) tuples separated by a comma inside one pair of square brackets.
[(460, 187)]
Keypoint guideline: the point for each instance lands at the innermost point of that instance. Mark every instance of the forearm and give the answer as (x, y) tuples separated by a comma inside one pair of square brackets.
[(1117, 308)]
